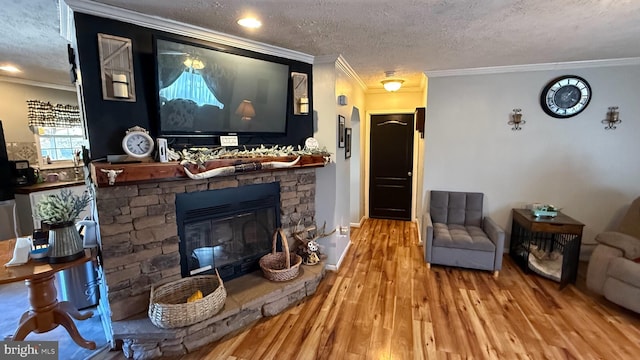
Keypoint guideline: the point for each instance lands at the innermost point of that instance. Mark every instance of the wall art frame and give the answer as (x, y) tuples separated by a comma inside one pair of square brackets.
[(341, 132)]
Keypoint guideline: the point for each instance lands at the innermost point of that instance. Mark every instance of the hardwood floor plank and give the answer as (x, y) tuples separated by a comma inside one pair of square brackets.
[(385, 304)]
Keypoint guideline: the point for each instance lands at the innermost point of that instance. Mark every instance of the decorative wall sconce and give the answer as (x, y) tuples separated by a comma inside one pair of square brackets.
[(613, 118), (116, 68), (300, 93), (246, 110), (516, 120)]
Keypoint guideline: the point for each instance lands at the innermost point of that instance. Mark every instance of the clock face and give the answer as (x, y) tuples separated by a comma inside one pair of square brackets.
[(565, 96), (137, 144)]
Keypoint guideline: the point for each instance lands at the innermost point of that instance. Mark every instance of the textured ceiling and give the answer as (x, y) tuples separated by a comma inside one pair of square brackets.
[(408, 36), (30, 40)]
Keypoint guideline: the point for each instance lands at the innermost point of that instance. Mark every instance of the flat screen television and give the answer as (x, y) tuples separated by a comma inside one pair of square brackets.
[(204, 91)]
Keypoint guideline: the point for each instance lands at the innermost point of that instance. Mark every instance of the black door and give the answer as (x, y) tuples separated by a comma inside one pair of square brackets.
[(391, 166)]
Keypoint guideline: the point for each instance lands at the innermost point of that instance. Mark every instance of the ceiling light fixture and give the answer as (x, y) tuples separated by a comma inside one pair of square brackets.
[(390, 83), (250, 22), (10, 68)]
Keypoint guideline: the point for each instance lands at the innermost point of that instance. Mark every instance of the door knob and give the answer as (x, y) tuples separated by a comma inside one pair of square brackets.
[(409, 173)]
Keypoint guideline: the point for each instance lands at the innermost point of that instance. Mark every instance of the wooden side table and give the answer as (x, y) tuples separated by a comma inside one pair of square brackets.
[(46, 312), (561, 233)]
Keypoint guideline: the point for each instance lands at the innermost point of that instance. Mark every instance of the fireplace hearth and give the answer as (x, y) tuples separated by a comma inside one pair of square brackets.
[(228, 229)]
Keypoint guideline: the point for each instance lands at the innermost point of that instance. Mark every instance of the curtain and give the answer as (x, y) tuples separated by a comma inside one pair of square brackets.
[(44, 114)]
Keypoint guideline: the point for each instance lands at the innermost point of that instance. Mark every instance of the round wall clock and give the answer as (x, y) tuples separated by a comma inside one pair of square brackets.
[(137, 143), (565, 96)]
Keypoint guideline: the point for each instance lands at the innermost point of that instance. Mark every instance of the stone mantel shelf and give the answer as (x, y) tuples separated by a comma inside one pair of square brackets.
[(134, 173)]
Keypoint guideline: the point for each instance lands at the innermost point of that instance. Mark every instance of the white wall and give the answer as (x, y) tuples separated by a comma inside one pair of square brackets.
[(332, 181), (591, 173), (353, 90)]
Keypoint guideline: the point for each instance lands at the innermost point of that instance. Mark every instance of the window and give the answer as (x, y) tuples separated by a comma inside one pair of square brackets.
[(59, 144)]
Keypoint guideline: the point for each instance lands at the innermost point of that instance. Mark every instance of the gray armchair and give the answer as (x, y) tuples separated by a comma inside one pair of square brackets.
[(457, 234), (614, 266)]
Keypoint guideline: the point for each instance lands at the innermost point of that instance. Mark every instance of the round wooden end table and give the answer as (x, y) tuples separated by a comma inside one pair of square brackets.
[(46, 312)]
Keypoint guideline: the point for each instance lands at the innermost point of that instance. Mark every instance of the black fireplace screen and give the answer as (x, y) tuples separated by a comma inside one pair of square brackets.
[(228, 229)]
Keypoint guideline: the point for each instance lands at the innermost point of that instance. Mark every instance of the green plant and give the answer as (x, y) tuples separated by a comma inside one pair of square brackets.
[(63, 207)]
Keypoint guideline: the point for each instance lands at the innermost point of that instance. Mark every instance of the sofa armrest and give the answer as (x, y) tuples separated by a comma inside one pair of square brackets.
[(629, 245), (428, 236), (496, 235)]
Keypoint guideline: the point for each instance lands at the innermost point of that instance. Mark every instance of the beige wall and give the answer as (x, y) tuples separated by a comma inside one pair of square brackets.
[(589, 172), (13, 107)]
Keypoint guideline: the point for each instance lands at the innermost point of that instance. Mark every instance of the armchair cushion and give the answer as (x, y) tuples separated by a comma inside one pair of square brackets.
[(460, 208), (461, 237)]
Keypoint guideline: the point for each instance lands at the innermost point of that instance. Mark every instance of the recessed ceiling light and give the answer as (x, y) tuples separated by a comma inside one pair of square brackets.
[(10, 68), (250, 22)]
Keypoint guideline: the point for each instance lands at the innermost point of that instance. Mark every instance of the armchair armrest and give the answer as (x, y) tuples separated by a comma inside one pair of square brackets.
[(428, 236), (629, 245), (496, 235)]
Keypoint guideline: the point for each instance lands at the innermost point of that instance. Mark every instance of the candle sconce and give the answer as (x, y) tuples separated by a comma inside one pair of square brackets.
[(613, 118), (116, 68), (516, 120)]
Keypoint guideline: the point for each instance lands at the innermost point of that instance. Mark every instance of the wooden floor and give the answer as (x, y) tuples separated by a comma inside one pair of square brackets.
[(385, 304)]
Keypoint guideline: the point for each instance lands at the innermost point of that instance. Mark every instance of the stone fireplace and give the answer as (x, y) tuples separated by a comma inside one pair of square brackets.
[(140, 238)]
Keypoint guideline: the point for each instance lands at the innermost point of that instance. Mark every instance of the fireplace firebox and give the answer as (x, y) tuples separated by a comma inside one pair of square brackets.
[(228, 229)]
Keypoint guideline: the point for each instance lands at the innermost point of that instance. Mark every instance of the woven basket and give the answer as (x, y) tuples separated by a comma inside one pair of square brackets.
[(280, 266), (168, 306)]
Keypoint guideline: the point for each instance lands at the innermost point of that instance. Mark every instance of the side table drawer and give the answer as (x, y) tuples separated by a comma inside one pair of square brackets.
[(556, 228)]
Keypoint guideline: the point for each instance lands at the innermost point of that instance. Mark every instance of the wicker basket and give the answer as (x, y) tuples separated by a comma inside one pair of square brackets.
[(168, 306), (280, 266)]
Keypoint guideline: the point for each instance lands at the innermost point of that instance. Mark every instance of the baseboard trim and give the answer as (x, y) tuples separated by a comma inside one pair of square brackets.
[(359, 225), (336, 267)]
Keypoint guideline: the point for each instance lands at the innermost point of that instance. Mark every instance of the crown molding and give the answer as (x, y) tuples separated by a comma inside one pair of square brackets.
[(179, 28), (343, 65), (41, 84), (340, 63), (534, 67)]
